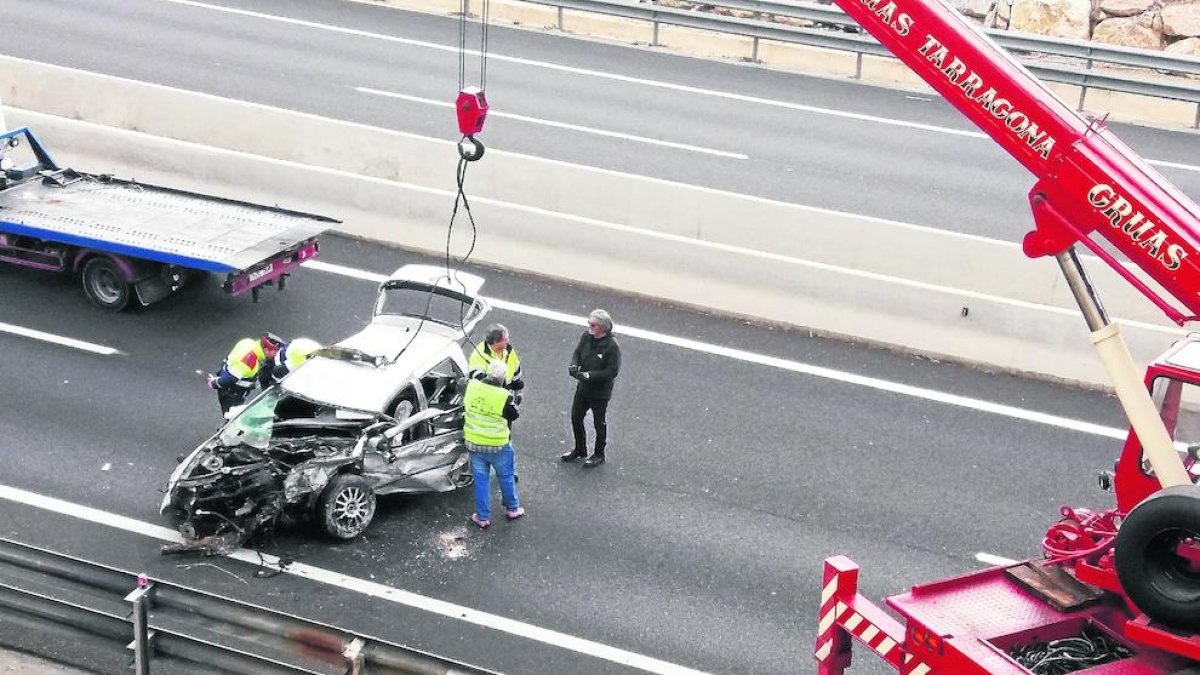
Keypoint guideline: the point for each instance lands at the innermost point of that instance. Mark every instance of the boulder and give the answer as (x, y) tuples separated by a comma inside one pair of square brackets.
[(975, 9), (1128, 32), (1181, 18), (1185, 47), (1056, 18), (1125, 7)]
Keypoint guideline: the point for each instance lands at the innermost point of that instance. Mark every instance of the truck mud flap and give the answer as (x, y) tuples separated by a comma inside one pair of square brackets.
[(151, 289)]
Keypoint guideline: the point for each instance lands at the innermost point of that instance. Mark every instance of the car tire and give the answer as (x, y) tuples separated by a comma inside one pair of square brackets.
[(105, 285), (346, 507), (1158, 581)]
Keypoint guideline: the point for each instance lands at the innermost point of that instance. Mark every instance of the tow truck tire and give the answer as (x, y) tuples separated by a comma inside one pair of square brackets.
[(1158, 581), (346, 507), (105, 284)]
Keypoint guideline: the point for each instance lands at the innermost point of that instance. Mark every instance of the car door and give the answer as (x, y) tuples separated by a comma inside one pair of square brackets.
[(428, 454)]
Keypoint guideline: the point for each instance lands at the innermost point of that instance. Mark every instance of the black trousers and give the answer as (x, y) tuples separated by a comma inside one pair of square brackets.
[(227, 398), (579, 408)]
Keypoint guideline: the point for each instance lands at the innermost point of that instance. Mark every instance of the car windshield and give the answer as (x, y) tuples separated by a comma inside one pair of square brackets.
[(444, 307), (253, 425)]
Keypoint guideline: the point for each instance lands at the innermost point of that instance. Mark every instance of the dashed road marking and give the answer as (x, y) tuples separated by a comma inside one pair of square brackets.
[(58, 340)]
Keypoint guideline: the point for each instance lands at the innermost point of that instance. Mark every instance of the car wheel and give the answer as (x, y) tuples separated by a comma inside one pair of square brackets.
[(1156, 556), (105, 284), (346, 507)]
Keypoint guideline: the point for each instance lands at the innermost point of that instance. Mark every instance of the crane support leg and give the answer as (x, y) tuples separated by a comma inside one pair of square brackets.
[(847, 616), (1131, 391)]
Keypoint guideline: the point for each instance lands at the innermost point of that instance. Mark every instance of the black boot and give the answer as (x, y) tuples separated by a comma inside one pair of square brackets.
[(573, 455), (596, 459)]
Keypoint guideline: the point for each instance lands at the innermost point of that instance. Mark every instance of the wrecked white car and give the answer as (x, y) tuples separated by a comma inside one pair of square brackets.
[(379, 413)]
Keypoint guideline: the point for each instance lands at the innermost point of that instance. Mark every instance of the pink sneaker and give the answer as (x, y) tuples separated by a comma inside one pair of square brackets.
[(515, 513), (483, 524)]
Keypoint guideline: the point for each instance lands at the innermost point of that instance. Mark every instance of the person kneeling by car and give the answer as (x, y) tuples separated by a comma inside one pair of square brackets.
[(490, 409)]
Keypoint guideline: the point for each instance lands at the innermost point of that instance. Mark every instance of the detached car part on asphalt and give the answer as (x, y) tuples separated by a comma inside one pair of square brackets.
[(379, 413)]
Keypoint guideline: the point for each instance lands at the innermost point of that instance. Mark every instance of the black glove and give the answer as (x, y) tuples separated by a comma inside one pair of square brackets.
[(517, 398), (573, 371)]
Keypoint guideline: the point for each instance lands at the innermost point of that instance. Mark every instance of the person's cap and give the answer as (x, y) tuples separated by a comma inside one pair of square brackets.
[(601, 317), (497, 370), (271, 338)]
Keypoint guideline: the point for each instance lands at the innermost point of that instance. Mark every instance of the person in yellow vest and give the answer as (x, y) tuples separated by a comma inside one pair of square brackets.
[(291, 356), (496, 345), (489, 411), (243, 369)]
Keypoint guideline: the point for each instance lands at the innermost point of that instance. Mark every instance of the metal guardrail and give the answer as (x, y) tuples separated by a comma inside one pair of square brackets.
[(167, 628), (1079, 71)]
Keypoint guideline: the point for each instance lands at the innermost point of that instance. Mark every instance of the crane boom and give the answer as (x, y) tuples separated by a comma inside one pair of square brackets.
[(1087, 179), (1145, 553)]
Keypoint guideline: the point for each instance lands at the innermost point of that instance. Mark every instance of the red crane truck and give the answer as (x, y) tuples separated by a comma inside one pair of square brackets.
[(132, 242), (1116, 592)]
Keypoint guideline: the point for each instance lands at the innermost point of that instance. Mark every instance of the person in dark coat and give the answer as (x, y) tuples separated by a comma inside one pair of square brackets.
[(595, 362)]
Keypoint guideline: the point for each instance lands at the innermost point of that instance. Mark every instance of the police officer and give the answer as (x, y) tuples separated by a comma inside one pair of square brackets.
[(487, 432), (291, 355), (496, 345), (245, 367)]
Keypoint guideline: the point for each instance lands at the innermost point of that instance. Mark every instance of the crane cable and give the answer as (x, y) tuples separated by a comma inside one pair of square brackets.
[(469, 149)]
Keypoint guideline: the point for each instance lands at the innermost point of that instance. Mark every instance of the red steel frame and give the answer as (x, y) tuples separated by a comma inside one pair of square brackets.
[(1087, 182)]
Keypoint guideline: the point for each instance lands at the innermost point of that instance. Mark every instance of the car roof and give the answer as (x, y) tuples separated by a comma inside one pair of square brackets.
[(410, 352)]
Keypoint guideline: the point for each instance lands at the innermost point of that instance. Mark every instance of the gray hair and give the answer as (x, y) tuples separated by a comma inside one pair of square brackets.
[(497, 370), (601, 317), (494, 333)]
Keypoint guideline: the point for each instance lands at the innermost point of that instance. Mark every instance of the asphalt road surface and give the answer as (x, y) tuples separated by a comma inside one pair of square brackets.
[(731, 476), (699, 543), (816, 141)]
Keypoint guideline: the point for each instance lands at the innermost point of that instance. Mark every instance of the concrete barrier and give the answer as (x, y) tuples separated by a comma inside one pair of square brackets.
[(911, 287)]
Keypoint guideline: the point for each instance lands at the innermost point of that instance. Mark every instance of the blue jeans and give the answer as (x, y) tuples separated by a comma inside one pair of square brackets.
[(504, 461)]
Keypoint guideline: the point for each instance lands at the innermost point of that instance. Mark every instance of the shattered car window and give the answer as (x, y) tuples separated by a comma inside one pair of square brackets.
[(253, 425), (441, 307)]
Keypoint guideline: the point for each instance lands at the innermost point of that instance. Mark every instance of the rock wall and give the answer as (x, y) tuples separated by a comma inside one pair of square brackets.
[(1170, 25)]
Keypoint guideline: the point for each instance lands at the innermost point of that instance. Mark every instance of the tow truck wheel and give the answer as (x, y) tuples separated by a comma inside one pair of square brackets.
[(346, 507), (1157, 556), (105, 284)]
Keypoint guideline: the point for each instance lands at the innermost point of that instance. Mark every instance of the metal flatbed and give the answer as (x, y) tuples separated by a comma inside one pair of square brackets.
[(151, 222)]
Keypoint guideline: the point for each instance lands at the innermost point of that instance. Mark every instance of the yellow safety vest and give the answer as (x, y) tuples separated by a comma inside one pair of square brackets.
[(245, 359), (481, 355), (299, 351), (485, 423)]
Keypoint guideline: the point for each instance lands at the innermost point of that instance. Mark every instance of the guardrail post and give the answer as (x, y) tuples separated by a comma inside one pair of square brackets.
[(858, 59), (141, 598), (654, 38), (560, 23), (354, 656), (1083, 87), (1195, 120)]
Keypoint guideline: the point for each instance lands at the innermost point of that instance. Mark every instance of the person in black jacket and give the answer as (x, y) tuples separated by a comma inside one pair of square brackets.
[(595, 363)]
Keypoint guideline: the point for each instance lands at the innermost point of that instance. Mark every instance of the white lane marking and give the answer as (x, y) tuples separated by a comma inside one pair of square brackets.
[(782, 364), (58, 340), (1173, 165), (584, 71), (361, 586), (620, 78), (492, 112), (995, 560)]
